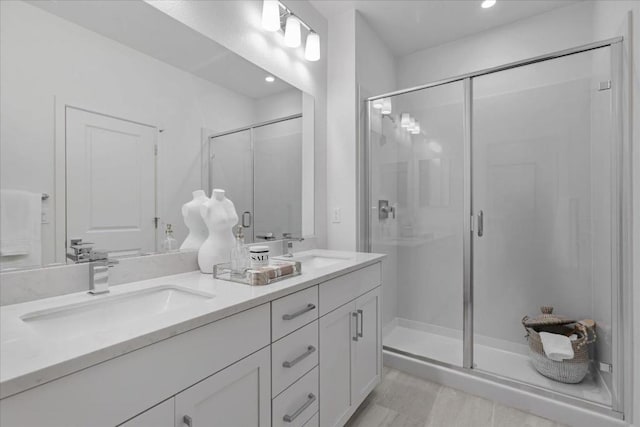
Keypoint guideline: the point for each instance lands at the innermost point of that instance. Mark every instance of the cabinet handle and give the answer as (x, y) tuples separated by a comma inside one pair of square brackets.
[(480, 223), (308, 308), (310, 399), (187, 421), (354, 314), (310, 350), (361, 333)]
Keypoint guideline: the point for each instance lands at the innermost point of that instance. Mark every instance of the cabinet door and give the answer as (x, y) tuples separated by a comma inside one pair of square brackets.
[(365, 372), (238, 396), (337, 330), (159, 416)]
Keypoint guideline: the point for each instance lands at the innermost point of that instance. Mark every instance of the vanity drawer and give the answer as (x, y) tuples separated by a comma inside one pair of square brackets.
[(293, 311), (298, 403), (342, 289), (292, 356), (314, 421)]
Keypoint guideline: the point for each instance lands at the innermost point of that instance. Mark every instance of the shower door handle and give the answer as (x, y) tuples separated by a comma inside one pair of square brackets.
[(480, 223), (246, 219)]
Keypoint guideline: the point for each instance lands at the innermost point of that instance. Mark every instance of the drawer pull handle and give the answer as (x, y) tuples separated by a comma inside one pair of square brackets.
[(361, 333), (187, 420), (308, 308), (355, 337), (310, 350), (310, 399)]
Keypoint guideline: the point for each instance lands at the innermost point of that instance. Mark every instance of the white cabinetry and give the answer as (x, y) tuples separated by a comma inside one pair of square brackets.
[(350, 347), (240, 395), (320, 346), (366, 354), (160, 415)]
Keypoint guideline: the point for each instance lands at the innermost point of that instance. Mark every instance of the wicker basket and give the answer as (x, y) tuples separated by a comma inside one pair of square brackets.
[(569, 371)]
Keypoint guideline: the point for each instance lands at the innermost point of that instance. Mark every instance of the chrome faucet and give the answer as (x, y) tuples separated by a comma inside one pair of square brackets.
[(99, 264), (287, 243), (99, 272)]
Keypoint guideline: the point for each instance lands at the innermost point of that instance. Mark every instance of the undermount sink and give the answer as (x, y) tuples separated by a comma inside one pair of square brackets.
[(111, 311), (315, 261)]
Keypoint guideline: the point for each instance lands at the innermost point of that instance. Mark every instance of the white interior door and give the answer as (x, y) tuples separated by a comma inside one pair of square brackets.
[(111, 182)]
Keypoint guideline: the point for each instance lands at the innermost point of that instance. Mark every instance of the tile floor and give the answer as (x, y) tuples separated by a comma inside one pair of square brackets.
[(401, 400)]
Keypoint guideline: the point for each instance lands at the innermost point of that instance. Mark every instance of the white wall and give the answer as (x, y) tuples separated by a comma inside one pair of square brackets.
[(44, 56), (548, 32), (236, 25), (281, 104), (359, 65), (341, 132)]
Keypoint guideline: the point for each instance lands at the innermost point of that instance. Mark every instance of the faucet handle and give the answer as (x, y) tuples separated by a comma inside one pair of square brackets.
[(103, 256)]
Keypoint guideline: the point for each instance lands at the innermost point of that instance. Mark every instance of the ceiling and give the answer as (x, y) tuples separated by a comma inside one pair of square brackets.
[(408, 26), (144, 28)]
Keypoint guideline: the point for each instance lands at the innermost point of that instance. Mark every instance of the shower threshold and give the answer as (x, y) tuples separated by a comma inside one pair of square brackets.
[(507, 360)]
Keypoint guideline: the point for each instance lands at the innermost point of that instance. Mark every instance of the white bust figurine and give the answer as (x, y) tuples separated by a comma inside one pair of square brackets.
[(193, 220), (219, 215)]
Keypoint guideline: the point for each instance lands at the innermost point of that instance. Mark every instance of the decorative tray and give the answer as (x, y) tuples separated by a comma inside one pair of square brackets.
[(276, 270)]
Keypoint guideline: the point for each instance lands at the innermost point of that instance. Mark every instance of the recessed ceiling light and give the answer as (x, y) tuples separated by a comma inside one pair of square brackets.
[(488, 3), (270, 79)]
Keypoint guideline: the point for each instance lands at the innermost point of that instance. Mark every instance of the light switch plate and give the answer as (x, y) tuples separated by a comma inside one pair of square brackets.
[(336, 217)]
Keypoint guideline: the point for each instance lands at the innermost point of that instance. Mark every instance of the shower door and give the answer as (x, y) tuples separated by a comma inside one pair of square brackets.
[(543, 185), (416, 213)]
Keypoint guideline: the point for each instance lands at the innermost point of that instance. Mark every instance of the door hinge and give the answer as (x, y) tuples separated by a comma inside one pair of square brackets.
[(606, 85), (472, 222), (155, 221)]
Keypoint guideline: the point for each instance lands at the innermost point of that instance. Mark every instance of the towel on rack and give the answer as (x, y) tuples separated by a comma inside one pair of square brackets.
[(557, 347), (20, 228)]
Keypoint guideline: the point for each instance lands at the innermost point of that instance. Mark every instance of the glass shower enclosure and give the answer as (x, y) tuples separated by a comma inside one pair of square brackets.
[(494, 194), (244, 162)]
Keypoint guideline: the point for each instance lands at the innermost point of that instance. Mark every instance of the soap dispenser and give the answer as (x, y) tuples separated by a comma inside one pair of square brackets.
[(239, 253), (169, 244)]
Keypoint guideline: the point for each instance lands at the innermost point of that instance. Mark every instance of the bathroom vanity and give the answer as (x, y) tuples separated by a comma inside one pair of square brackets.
[(188, 350)]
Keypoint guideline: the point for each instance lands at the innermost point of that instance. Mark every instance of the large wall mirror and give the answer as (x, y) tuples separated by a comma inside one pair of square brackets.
[(113, 113)]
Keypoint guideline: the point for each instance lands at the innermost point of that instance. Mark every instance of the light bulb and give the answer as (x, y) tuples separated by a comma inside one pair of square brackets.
[(386, 106), (415, 129), (377, 103), (271, 15), (405, 120), (412, 123), (435, 147), (312, 48), (487, 3), (292, 32), (270, 79)]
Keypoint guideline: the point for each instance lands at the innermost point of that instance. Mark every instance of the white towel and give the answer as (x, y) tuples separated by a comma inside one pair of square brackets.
[(20, 228), (557, 347)]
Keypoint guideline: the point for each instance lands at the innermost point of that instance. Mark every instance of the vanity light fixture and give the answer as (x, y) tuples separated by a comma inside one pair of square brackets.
[(435, 147), (312, 48), (405, 120), (273, 12), (269, 79), (271, 15), (486, 4), (386, 106), (292, 32)]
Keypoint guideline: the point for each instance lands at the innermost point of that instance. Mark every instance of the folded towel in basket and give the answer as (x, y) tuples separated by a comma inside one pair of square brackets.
[(557, 347)]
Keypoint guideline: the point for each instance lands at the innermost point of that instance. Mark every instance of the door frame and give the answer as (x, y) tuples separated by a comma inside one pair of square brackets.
[(60, 167), (621, 278)]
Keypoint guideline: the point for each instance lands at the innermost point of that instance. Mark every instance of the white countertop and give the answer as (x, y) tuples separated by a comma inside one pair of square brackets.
[(29, 358)]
